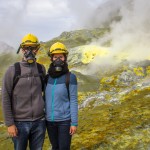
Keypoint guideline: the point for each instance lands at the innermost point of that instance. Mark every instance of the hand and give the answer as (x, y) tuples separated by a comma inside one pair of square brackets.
[(12, 131), (73, 130)]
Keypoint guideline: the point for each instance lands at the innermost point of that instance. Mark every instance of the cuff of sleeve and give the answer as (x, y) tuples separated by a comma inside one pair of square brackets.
[(74, 124), (9, 124)]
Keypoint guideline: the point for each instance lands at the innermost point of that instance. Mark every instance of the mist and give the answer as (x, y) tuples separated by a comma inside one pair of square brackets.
[(12, 19), (132, 33), (129, 21)]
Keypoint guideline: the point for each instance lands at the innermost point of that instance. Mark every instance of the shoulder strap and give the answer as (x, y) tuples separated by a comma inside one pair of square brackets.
[(46, 79), (39, 66), (17, 74), (45, 83), (41, 73), (67, 83)]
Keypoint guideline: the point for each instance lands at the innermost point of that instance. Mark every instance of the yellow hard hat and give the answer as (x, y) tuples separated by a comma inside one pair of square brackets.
[(57, 48), (30, 40)]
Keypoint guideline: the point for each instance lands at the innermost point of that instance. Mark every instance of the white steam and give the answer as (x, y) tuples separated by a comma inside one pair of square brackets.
[(129, 21), (84, 11), (132, 33)]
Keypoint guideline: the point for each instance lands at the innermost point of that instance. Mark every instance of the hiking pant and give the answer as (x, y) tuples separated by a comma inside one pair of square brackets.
[(59, 136), (32, 132)]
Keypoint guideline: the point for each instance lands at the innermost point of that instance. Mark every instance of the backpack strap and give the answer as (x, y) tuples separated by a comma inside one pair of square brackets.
[(17, 74), (45, 83), (46, 79), (67, 83), (41, 73)]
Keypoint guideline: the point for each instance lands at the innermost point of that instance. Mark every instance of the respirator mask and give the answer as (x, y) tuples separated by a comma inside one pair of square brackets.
[(58, 64), (29, 54)]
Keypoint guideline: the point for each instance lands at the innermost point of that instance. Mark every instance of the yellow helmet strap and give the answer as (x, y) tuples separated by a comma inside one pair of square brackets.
[(19, 49)]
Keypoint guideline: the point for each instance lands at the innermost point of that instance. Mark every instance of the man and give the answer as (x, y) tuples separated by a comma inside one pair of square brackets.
[(22, 101)]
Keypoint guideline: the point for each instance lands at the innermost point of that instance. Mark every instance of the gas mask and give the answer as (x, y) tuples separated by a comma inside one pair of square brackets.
[(29, 55), (58, 64)]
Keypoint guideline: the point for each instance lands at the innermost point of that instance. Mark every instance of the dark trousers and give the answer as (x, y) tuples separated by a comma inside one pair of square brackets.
[(33, 131), (59, 136)]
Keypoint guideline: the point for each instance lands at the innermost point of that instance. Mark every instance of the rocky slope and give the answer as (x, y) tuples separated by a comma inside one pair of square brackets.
[(113, 98)]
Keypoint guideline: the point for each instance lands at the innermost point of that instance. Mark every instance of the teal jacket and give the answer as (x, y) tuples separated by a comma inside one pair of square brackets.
[(58, 106)]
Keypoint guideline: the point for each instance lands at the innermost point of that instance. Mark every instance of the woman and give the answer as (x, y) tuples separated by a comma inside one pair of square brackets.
[(61, 99)]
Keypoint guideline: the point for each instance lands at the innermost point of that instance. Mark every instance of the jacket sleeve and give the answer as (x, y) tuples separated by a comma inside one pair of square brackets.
[(6, 96), (73, 100)]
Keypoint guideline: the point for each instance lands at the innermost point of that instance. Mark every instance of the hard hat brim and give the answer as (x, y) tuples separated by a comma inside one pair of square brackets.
[(59, 52), (30, 44)]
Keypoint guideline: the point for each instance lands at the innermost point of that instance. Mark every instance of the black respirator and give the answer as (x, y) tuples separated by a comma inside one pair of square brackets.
[(29, 55), (58, 64)]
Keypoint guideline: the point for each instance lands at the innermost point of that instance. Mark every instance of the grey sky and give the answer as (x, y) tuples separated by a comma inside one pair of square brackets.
[(46, 19), (49, 18)]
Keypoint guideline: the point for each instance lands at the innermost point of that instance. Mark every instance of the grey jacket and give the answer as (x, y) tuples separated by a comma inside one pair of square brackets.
[(26, 102)]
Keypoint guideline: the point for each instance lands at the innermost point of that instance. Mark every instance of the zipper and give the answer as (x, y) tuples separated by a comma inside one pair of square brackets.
[(31, 93), (53, 90)]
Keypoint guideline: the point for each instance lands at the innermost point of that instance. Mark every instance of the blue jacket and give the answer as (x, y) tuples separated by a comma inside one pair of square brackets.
[(58, 106)]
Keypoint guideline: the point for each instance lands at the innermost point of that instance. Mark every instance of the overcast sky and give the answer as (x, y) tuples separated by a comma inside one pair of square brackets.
[(44, 18), (49, 18)]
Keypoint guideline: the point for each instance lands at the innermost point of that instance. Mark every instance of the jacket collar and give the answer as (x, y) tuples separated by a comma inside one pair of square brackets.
[(26, 64)]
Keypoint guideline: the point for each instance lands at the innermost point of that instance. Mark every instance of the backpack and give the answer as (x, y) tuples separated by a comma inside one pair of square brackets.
[(18, 74), (67, 82)]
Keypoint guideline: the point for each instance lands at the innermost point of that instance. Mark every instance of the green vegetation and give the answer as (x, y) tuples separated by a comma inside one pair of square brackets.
[(123, 124), (110, 126)]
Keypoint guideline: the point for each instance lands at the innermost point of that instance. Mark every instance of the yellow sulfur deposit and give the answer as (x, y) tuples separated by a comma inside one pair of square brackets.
[(139, 71), (148, 70), (89, 52)]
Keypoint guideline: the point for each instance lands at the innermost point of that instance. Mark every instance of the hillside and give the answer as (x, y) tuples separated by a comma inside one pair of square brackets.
[(113, 98), (73, 40), (78, 37)]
